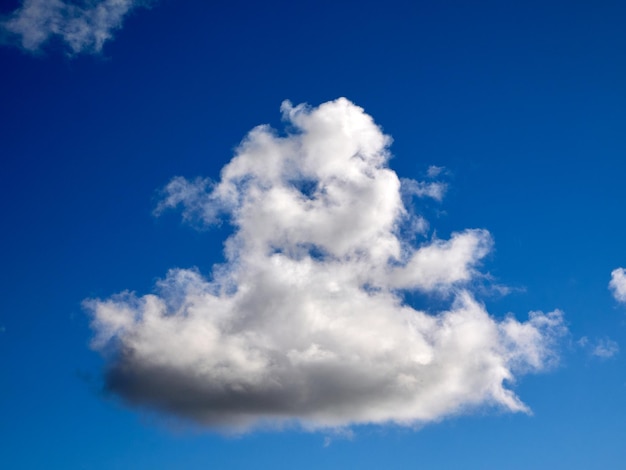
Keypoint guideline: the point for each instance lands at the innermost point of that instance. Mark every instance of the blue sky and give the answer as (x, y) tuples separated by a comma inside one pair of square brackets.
[(522, 106)]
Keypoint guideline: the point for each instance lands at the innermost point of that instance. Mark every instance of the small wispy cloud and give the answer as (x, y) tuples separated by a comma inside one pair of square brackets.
[(83, 26), (192, 197), (435, 190), (605, 348), (617, 285), (434, 171), (305, 320), (583, 342)]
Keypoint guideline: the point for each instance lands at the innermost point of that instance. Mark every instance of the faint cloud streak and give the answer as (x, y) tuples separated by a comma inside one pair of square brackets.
[(83, 26)]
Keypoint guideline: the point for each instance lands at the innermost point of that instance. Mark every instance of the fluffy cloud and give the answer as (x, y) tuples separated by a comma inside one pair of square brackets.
[(305, 320), (84, 26), (618, 284)]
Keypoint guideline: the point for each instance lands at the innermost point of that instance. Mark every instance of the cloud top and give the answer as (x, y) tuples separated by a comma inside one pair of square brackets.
[(305, 320), (83, 26)]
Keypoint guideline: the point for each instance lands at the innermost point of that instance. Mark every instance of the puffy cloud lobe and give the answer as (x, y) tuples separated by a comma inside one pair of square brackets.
[(442, 264), (305, 322), (84, 26), (618, 284)]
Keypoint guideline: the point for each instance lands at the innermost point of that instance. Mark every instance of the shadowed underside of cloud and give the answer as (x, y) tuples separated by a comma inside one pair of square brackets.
[(305, 321), (84, 26)]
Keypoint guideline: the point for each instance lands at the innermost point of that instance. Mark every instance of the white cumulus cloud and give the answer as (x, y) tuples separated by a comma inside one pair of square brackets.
[(84, 26), (305, 321), (617, 285)]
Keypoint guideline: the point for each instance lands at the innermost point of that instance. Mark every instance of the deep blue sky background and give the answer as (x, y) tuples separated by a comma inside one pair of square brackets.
[(523, 102)]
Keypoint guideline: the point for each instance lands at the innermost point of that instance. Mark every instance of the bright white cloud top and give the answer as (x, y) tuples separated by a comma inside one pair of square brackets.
[(305, 320), (617, 285), (83, 26)]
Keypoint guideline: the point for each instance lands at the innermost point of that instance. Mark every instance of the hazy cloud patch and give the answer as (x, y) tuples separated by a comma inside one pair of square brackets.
[(434, 171), (435, 190), (305, 322), (605, 348), (84, 26)]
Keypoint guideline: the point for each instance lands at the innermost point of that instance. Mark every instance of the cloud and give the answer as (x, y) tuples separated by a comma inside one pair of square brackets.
[(434, 171), (605, 348), (305, 321), (435, 190), (192, 196), (618, 284), (83, 26)]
